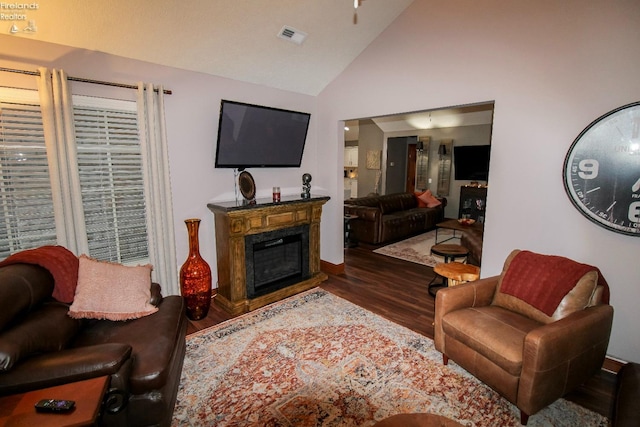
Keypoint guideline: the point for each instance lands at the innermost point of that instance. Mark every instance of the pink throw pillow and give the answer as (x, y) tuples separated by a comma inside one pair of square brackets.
[(111, 291), (426, 200), (421, 204)]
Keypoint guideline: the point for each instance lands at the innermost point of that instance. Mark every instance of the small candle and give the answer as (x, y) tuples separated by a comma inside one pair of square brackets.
[(276, 194)]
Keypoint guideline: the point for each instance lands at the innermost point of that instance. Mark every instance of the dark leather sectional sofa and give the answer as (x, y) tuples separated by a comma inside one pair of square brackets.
[(472, 240), (386, 218), (40, 346)]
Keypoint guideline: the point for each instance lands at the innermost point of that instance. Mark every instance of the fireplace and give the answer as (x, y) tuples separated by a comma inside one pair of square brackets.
[(276, 259), (283, 238)]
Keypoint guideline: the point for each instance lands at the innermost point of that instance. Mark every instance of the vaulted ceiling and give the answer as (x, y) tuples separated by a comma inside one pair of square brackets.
[(237, 39)]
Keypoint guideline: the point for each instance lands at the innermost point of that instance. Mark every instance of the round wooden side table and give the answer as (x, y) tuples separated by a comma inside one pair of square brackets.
[(450, 253), (457, 272)]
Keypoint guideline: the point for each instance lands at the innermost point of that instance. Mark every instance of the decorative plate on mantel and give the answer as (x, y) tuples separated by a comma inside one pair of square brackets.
[(247, 185)]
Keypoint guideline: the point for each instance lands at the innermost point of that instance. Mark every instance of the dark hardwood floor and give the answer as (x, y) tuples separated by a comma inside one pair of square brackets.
[(397, 290)]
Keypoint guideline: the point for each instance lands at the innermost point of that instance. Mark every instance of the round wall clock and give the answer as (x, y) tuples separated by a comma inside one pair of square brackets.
[(602, 170)]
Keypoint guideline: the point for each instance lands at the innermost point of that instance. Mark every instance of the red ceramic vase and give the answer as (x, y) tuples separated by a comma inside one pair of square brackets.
[(195, 276)]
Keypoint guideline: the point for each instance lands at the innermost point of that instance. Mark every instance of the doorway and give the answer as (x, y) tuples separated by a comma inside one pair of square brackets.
[(436, 129), (398, 138), (400, 163)]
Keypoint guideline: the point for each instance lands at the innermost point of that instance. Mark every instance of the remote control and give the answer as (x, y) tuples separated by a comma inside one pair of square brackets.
[(54, 405)]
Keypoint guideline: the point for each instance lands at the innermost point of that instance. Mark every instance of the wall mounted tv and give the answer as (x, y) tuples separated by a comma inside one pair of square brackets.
[(254, 136), (471, 162)]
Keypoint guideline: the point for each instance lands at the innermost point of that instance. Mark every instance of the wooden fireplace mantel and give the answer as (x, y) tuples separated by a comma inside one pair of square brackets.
[(234, 221)]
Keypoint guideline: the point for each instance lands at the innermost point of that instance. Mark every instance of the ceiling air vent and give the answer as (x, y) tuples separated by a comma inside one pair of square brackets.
[(292, 35)]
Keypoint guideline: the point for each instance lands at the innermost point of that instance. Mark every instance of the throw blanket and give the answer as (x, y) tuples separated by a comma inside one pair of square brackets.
[(61, 263), (543, 280)]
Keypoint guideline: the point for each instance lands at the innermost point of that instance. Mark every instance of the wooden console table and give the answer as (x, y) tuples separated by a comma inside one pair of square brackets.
[(234, 221)]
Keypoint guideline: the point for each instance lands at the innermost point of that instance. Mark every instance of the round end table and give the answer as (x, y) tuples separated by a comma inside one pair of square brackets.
[(457, 273), (450, 253)]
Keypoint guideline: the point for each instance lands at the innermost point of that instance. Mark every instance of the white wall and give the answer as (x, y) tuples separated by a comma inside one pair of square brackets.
[(192, 121), (370, 138), (551, 67)]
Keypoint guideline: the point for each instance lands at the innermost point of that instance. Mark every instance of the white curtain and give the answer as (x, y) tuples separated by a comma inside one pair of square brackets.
[(155, 160), (57, 118)]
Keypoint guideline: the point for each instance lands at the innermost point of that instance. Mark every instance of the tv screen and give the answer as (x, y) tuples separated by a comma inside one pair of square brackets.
[(251, 136), (471, 162)]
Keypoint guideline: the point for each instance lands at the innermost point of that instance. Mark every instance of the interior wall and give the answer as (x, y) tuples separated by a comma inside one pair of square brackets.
[(192, 113), (371, 138), (552, 68)]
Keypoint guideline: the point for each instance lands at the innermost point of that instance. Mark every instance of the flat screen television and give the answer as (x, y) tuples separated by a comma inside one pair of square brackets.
[(252, 136), (471, 162)]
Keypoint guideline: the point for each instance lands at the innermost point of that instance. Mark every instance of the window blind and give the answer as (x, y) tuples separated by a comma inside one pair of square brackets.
[(109, 167), (26, 218), (111, 181)]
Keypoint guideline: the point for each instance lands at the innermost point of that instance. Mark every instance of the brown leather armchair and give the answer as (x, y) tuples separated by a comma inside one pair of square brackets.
[(516, 343)]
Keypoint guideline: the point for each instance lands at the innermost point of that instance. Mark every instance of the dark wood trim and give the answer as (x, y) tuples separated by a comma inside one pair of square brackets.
[(330, 268), (613, 365)]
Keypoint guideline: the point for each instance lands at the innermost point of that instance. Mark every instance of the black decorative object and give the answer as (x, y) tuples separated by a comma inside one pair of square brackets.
[(306, 186)]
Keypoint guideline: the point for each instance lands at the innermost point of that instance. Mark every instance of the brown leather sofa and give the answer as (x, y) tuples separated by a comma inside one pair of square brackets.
[(472, 240), (386, 218), (41, 346), (528, 356)]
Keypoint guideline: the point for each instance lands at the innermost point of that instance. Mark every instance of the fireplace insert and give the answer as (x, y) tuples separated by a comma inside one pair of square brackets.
[(276, 259)]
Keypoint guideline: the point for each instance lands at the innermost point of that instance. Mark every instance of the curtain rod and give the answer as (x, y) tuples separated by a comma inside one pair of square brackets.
[(78, 79)]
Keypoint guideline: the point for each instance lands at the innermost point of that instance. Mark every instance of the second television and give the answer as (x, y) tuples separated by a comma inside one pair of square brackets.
[(471, 162)]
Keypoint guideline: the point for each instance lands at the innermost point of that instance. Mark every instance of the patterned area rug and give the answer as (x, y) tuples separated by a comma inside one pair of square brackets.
[(418, 248), (315, 359)]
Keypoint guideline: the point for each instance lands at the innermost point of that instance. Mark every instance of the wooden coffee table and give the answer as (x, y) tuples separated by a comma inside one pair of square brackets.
[(19, 410), (453, 224)]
